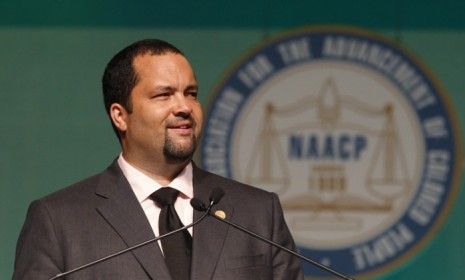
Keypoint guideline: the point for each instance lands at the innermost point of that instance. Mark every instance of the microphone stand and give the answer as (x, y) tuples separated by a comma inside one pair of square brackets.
[(216, 196)]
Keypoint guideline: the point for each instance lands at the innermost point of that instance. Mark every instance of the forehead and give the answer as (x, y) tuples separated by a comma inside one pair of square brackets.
[(165, 65)]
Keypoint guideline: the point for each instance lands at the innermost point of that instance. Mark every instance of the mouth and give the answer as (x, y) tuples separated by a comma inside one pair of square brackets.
[(182, 128)]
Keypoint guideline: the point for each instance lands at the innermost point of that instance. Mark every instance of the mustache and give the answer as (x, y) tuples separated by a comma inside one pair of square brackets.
[(187, 119)]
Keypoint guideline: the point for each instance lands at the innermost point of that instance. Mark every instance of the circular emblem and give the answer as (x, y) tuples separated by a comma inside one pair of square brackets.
[(351, 131)]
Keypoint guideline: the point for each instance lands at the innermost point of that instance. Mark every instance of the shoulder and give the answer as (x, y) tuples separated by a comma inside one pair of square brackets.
[(81, 192)]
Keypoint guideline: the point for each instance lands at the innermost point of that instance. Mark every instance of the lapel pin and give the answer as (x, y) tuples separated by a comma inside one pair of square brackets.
[(220, 214)]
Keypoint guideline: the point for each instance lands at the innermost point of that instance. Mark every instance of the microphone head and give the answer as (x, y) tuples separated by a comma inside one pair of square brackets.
[(198, 205), (216, 195)]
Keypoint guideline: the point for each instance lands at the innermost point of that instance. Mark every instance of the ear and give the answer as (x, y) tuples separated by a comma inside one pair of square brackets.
[(119, 116)]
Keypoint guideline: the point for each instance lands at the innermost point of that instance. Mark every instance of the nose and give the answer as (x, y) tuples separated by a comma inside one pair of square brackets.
[(181, 105)]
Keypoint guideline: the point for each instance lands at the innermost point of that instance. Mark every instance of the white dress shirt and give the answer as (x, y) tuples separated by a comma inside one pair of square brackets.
[(143, 186)]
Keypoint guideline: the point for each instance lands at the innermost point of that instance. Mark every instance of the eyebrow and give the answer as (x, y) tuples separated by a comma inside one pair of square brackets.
[(169, 88), (192, 87)]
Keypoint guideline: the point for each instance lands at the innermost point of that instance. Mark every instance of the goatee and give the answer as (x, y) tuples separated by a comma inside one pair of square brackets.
[(176, 153)]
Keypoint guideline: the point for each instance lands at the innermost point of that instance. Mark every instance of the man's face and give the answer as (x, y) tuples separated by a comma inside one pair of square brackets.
[(166, 117)]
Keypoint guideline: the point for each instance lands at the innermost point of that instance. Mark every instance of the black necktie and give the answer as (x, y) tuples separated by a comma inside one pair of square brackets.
[(177, 247)]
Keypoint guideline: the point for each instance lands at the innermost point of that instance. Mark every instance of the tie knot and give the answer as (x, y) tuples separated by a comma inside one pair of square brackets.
[(165, 196)]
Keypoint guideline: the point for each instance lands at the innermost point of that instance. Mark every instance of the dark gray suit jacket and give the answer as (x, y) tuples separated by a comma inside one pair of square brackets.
[(101, 215)]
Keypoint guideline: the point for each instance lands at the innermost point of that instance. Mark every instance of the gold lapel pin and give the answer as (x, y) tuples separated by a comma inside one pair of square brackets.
[(220, 214)]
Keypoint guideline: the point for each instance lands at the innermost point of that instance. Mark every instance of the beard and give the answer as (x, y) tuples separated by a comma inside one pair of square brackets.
[(178, 153)]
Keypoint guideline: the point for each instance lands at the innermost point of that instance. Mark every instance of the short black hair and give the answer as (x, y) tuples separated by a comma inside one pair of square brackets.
[(120, 76)]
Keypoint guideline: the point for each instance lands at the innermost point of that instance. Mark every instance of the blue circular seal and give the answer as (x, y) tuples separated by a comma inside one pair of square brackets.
[(354, 134)]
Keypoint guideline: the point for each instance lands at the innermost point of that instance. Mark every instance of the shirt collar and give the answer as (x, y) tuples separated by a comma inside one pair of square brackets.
[(143, 186)]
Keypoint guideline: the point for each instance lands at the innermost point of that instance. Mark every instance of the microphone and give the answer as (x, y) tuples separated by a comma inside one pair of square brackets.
[(194, 201), (215, 197)]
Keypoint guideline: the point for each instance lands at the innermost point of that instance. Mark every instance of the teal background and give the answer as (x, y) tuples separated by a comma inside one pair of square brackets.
[(54, 130)]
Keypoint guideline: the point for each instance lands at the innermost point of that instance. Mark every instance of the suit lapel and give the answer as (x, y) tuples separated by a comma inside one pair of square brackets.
[(124, 213), (209, 234)]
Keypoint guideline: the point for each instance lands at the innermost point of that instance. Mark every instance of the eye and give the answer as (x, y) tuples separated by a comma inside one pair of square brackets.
[(192, 93), (160, 95)]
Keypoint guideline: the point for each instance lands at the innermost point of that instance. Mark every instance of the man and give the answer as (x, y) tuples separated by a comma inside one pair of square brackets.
[(150, 94)]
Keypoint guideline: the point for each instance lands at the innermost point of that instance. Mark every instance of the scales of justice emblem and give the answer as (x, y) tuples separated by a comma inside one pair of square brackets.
[(351, 132)]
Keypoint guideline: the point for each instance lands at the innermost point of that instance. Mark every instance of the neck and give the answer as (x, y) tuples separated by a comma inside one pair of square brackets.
[(159, 170)]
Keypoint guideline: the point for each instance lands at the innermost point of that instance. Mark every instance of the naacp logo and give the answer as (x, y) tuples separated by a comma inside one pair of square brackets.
[(351, 132)]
